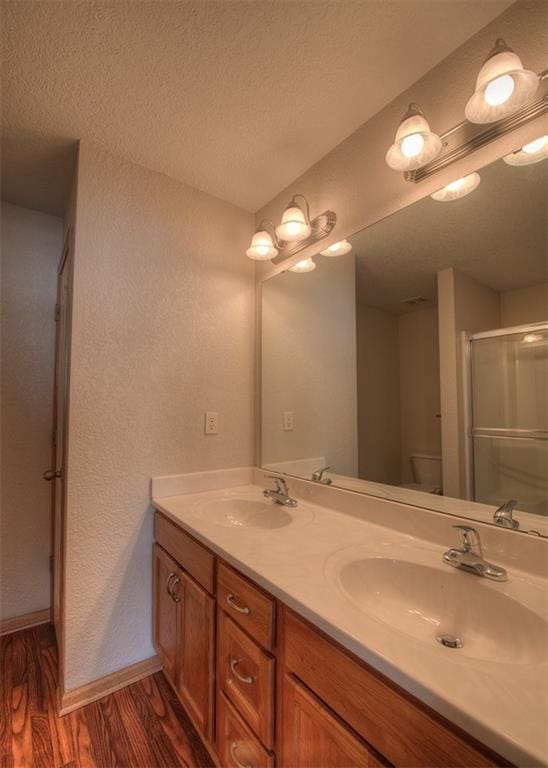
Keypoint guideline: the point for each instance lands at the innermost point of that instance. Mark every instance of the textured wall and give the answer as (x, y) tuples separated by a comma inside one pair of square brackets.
[(31, 249), (162, 331)]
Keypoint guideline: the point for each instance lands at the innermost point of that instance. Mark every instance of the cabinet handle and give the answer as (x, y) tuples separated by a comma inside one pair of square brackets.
[(247, 679), (176, 598), (231, 600), (168, 583), (235, 760)]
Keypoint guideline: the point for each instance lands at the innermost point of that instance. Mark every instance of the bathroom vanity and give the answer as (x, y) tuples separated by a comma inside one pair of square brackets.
[(276, 666)]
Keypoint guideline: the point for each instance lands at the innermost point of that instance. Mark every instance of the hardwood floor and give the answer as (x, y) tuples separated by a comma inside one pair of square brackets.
[(141, 726)]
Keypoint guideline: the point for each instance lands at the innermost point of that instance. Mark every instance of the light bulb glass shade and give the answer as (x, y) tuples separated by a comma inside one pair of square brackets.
[(502, 87), (337, 249), (261, 248), (294, 225), (533, 152), (458, 188), (305, 265), (414, 146)]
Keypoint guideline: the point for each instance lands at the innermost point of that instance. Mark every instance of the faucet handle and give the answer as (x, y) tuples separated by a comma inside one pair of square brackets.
[(469, 538), (281, 485)]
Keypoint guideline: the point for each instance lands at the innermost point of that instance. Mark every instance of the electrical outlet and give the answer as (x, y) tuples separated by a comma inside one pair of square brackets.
[(288, 421), (211, 423)]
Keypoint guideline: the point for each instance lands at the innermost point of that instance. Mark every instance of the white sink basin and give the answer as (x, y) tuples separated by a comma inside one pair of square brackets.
[(233, 511), (424, 601)]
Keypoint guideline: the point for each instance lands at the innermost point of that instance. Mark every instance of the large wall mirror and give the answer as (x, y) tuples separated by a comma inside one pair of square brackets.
[(415, 366)]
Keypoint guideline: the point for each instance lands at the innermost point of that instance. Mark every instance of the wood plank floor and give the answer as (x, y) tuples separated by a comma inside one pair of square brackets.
[(141, 726)]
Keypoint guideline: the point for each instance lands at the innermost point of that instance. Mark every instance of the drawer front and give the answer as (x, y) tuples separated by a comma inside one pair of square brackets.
[(249, 606), (189, 553), (246, 675), (399, 728), (237, 746)]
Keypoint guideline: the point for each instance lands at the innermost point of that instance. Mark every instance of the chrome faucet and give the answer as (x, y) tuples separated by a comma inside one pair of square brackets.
[(317, 476), (280, 494), (469, 556), (504, 515)]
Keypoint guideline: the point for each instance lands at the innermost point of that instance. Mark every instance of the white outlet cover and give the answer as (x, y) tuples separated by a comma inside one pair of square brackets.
[(211, 423)]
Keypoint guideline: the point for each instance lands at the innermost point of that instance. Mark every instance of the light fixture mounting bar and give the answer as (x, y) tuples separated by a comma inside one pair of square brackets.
[(321, 226), (465, 138)]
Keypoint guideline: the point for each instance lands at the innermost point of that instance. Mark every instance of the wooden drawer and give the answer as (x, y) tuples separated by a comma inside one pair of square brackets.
[(313, 736), (402, 729), (189, 553), (237, 747), (248, 605), (246, 674)]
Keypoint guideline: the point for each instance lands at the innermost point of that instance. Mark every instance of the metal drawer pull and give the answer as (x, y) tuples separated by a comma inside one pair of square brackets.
[(235, 760), (247, 679), (168, 583), (176, 598), (231, 600)]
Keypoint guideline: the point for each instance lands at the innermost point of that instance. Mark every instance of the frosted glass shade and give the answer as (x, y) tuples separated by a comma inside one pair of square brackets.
[(294, 225), (415, 144), (261, 248), (305, 265), (502, 87), (337, 249), (533, 152), (457, 189)]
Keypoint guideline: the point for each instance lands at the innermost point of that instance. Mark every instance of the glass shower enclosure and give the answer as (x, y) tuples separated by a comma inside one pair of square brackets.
[(509, 416)]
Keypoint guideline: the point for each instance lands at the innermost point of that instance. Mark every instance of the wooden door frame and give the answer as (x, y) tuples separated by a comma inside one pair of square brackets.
[(66, 261)]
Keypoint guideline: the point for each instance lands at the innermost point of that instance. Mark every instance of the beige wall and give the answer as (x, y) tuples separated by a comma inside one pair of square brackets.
[(354, 180), (526, 305), (309, 366), (162, 331), (379, 436), (463, 305), (31, 249), (419, 386)]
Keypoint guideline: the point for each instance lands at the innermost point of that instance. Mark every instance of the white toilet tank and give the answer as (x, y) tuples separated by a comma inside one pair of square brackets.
[(427, 471)]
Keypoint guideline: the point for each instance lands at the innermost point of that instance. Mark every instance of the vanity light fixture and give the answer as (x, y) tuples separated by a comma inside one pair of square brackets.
[(457, 189), (296, 231), (305, 265), (262, 246), (415, 144), (337, 249), (530, 153), (502, 87), (295, 221)]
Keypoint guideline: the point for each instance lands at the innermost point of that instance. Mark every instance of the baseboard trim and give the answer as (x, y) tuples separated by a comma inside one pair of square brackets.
[(27, 620), (86, 694)]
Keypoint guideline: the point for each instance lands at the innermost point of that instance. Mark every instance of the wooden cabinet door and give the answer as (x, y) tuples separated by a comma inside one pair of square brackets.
[(195, 670), (313, 737), (166, 573)]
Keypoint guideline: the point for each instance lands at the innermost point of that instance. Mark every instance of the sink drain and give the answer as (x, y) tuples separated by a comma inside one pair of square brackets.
[(449, 641)]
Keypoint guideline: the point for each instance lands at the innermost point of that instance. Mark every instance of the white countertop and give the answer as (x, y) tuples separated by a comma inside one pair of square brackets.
[(504, 705)]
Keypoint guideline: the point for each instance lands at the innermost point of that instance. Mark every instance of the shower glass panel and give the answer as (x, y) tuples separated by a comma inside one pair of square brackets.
[(510, 417)]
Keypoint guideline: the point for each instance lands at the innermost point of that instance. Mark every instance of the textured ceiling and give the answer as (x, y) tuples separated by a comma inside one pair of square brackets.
[(498, 235), (234, 98)]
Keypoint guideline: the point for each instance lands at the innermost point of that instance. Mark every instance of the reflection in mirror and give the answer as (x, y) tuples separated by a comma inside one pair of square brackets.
[(415, 367)]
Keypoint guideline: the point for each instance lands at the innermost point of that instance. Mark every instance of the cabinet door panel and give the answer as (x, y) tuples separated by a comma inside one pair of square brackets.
[(312, 736), (166, 571), (196, 653)]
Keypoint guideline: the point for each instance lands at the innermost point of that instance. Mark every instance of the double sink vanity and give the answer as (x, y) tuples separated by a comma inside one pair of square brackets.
[(318, 627)]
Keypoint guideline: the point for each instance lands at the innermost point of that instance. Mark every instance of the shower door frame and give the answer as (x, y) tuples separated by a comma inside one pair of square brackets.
[(466, 340)]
